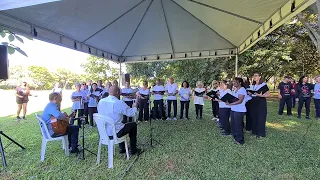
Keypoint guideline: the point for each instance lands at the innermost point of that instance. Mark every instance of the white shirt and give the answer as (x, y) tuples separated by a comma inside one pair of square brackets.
[(172, 89), (197, 99), (222, 93), (144, 92), (127, 91), (57, 90), (158, 88), (185, 94), (78, 104), (93, 101), (113, 107), (240, 107)]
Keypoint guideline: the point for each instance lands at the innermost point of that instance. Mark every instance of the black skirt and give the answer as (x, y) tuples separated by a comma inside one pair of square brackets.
[(22, 100)]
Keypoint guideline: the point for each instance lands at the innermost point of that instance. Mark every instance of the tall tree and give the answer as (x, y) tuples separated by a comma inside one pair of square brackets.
[(66, 77), (41, 77)]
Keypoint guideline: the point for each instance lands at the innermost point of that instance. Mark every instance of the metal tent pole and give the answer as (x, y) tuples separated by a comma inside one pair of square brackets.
[(120, 79), (236, 65)]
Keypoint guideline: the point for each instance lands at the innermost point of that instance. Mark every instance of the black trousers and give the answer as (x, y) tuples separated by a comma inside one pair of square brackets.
[(215, 109), (285, 100), (184, 105), (86, 112), (131, 129), (224, 115), (80, 113), (317, 106), (143, 110), (73, 134), (92, 110), (199, 109), (237, 126), (249, 114), (306, 102), (174, 102), (259, 117), (125, 118), (158, 107), (293, 100)]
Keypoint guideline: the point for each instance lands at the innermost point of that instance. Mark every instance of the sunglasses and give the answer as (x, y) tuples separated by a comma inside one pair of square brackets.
[(84, 84)]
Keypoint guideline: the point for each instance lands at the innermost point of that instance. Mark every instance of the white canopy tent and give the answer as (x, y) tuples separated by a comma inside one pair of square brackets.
[(127, 31)]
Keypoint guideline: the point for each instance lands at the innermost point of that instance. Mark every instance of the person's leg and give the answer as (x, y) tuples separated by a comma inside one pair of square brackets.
[(281, 106), (130, 103), (131, 129), (307, 104), (161, 115), (197, 110), (222, 119), (238, 121), (213, 109), (24, 108), (300, 105), (19, 110), (175, 108), (73, 134), (156, 109), (140, 110), (182, 103), (317, 107), (187, 109), (146, 110), (293, 97), (80, 114), (262, 118), (289, 106), (200, 108), (169, 108), (216, 109), (249, 122), (86, 112), (233, 125)]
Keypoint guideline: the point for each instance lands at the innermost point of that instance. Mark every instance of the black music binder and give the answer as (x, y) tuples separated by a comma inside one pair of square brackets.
[(229, 98), (263, 89), (213, 94), (159, 92), (199, 94)]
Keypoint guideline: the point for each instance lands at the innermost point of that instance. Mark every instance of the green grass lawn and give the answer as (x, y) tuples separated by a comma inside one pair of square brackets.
[(191, 149)]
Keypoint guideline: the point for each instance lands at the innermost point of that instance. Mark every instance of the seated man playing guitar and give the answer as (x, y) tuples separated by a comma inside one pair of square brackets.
[(58, 123)]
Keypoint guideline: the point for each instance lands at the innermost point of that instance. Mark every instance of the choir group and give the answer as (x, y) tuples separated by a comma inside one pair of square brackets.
[(231, 102)]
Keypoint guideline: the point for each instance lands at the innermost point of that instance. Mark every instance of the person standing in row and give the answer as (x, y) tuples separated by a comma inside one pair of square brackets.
[(293, 93), (304, 95), (127, 96), (172, 89), (284, 93), (143, 94), (198, 95), (85, 90), (99, 83), (249, 106), (259, 103), (22, 99), (89, 84), (185, 93), (238, 110), (224, 109), (105, 92), (158, 91), (317, 97), (78, 97), (93, 95), (215, 104)]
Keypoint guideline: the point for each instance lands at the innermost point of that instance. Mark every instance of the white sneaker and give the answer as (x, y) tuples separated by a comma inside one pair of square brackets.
[(214, 118), (174, 118), (169, 119)]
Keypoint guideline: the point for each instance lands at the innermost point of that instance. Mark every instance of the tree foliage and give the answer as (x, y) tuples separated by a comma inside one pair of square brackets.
[(41, 77), (11, 36)]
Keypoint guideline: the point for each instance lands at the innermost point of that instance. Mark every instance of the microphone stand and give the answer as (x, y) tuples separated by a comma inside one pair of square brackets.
[(4, 162), (151, 128)]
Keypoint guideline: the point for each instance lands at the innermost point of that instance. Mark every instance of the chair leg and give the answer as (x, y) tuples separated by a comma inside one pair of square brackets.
[(66, 145), (127, 150), (99, 152), (43, 149), (63, 143), (110, 154)]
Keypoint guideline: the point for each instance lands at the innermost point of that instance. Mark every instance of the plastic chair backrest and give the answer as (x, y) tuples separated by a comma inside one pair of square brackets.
[(43, 127), (102, 123)]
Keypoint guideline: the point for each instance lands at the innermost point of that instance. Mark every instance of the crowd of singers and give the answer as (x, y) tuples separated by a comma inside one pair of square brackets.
[(230, 116)]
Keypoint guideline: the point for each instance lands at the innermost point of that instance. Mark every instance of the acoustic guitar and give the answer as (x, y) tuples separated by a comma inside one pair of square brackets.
[(60, 126)]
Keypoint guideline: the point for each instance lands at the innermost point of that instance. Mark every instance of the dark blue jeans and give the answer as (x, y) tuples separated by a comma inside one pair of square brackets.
[(285, 100), (306, 102), (237, 126), (174, 102), (224, 114), (317, 105)]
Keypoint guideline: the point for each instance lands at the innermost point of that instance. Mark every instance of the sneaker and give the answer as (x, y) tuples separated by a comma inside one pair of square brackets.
[(18, 118), (24, 118), (174, 118), (169, 119), (91, 127), (137, 151), (214, 118)]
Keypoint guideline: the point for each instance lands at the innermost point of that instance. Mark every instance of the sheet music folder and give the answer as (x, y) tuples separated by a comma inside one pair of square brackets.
[(229, 98), (263, 89), (213, 94)]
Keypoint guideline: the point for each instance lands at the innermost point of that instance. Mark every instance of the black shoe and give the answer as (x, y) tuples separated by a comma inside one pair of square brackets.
[(18, 117), (181, 117), (122, 151), (75, 150), (137, 151), (307, 117), (279, 114), (299, 117), (24, 118)]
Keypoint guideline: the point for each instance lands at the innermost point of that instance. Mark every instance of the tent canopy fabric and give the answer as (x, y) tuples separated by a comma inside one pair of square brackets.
[(151, 30)]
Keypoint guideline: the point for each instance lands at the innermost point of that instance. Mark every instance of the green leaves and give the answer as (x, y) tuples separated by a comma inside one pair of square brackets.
[(11, 38), (11, 50)]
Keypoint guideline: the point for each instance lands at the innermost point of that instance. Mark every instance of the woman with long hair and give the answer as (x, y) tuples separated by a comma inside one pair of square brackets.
[(259, 106), (143, 94), (22, 98), (214, 103), (238, 110), (93, 95), (78, 97), (184, 93), (224, 109), (303, 95)]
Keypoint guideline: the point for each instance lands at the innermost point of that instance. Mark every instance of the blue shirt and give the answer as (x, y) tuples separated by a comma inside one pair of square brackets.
[(51, 110), (127, 91), (93, 102), (78, 104), (317, 91), (185, 94)]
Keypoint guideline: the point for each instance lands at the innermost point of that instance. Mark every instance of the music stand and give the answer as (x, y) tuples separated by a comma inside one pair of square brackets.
[(83, 148), (150, 126), (4, 162)]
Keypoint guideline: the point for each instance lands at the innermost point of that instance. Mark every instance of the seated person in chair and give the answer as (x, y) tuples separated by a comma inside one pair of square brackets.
[(52, 110), (119, 109)]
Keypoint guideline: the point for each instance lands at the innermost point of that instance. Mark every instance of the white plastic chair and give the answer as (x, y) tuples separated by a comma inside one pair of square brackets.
[(102, 123), (135, 117), (46, 138)]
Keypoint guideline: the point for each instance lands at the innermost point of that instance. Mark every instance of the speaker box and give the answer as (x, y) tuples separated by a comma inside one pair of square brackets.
[(127, 78), (4, 66)]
